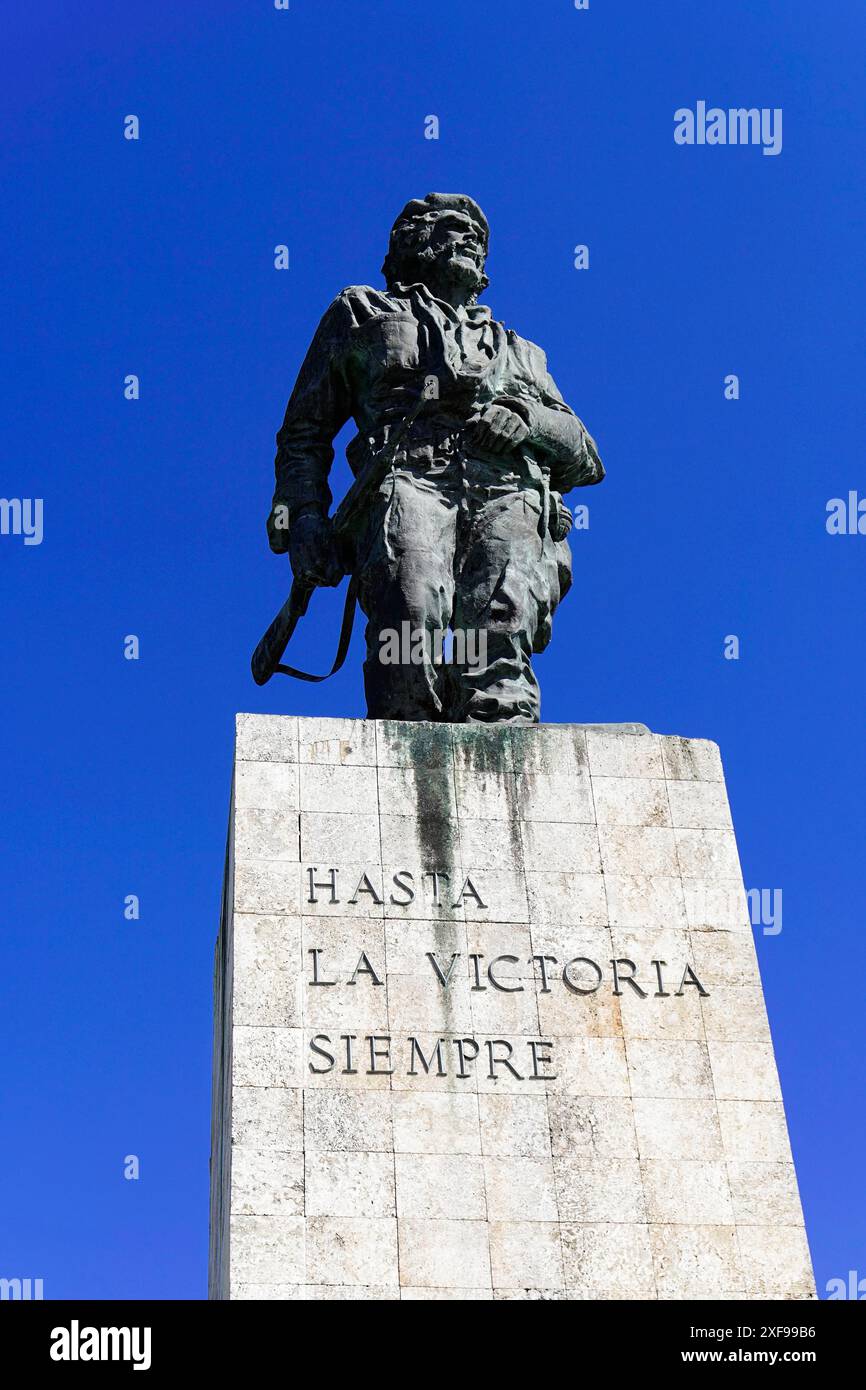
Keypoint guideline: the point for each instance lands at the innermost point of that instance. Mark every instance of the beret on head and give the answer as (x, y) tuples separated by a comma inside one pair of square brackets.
[(438, 202)]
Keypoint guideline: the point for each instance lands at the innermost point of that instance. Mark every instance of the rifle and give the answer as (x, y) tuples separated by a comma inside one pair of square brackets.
[(266, 659)]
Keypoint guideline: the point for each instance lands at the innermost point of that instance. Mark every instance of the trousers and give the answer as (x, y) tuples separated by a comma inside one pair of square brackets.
[(443, 552)]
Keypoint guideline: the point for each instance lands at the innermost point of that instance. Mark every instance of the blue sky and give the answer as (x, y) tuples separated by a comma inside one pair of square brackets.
[(155, 257)]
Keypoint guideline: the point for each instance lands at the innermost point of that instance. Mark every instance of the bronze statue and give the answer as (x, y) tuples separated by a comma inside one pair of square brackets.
[(456, 519)]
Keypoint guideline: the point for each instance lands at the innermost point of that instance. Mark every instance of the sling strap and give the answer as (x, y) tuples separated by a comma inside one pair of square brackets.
[(342, 645)]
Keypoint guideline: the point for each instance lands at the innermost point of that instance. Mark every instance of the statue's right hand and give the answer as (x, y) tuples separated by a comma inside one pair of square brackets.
[(312, 550)]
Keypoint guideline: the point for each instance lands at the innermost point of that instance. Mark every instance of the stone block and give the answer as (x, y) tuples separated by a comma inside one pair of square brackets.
[(489, 1023)]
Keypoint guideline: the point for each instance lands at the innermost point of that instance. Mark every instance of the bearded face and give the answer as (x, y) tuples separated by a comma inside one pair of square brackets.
[(445, 251)]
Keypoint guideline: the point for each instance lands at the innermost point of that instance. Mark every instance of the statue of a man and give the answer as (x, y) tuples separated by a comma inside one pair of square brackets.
[(467, 530)]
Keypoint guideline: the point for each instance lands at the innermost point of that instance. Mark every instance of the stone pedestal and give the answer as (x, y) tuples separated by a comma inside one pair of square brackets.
[(489, 1023)]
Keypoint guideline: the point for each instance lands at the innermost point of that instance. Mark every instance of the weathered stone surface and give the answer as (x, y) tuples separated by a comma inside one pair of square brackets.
[(504, 1084)]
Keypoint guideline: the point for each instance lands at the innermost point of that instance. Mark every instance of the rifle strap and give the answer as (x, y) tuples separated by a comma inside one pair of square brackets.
[(390, 452), (342, 645)]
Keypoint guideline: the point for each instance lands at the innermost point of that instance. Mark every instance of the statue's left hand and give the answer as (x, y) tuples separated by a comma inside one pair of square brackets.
[(312, 551), (497, 429)]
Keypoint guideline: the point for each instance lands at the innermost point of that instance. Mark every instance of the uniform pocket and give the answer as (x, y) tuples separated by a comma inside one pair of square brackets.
[(391, 340), (562, 551)]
